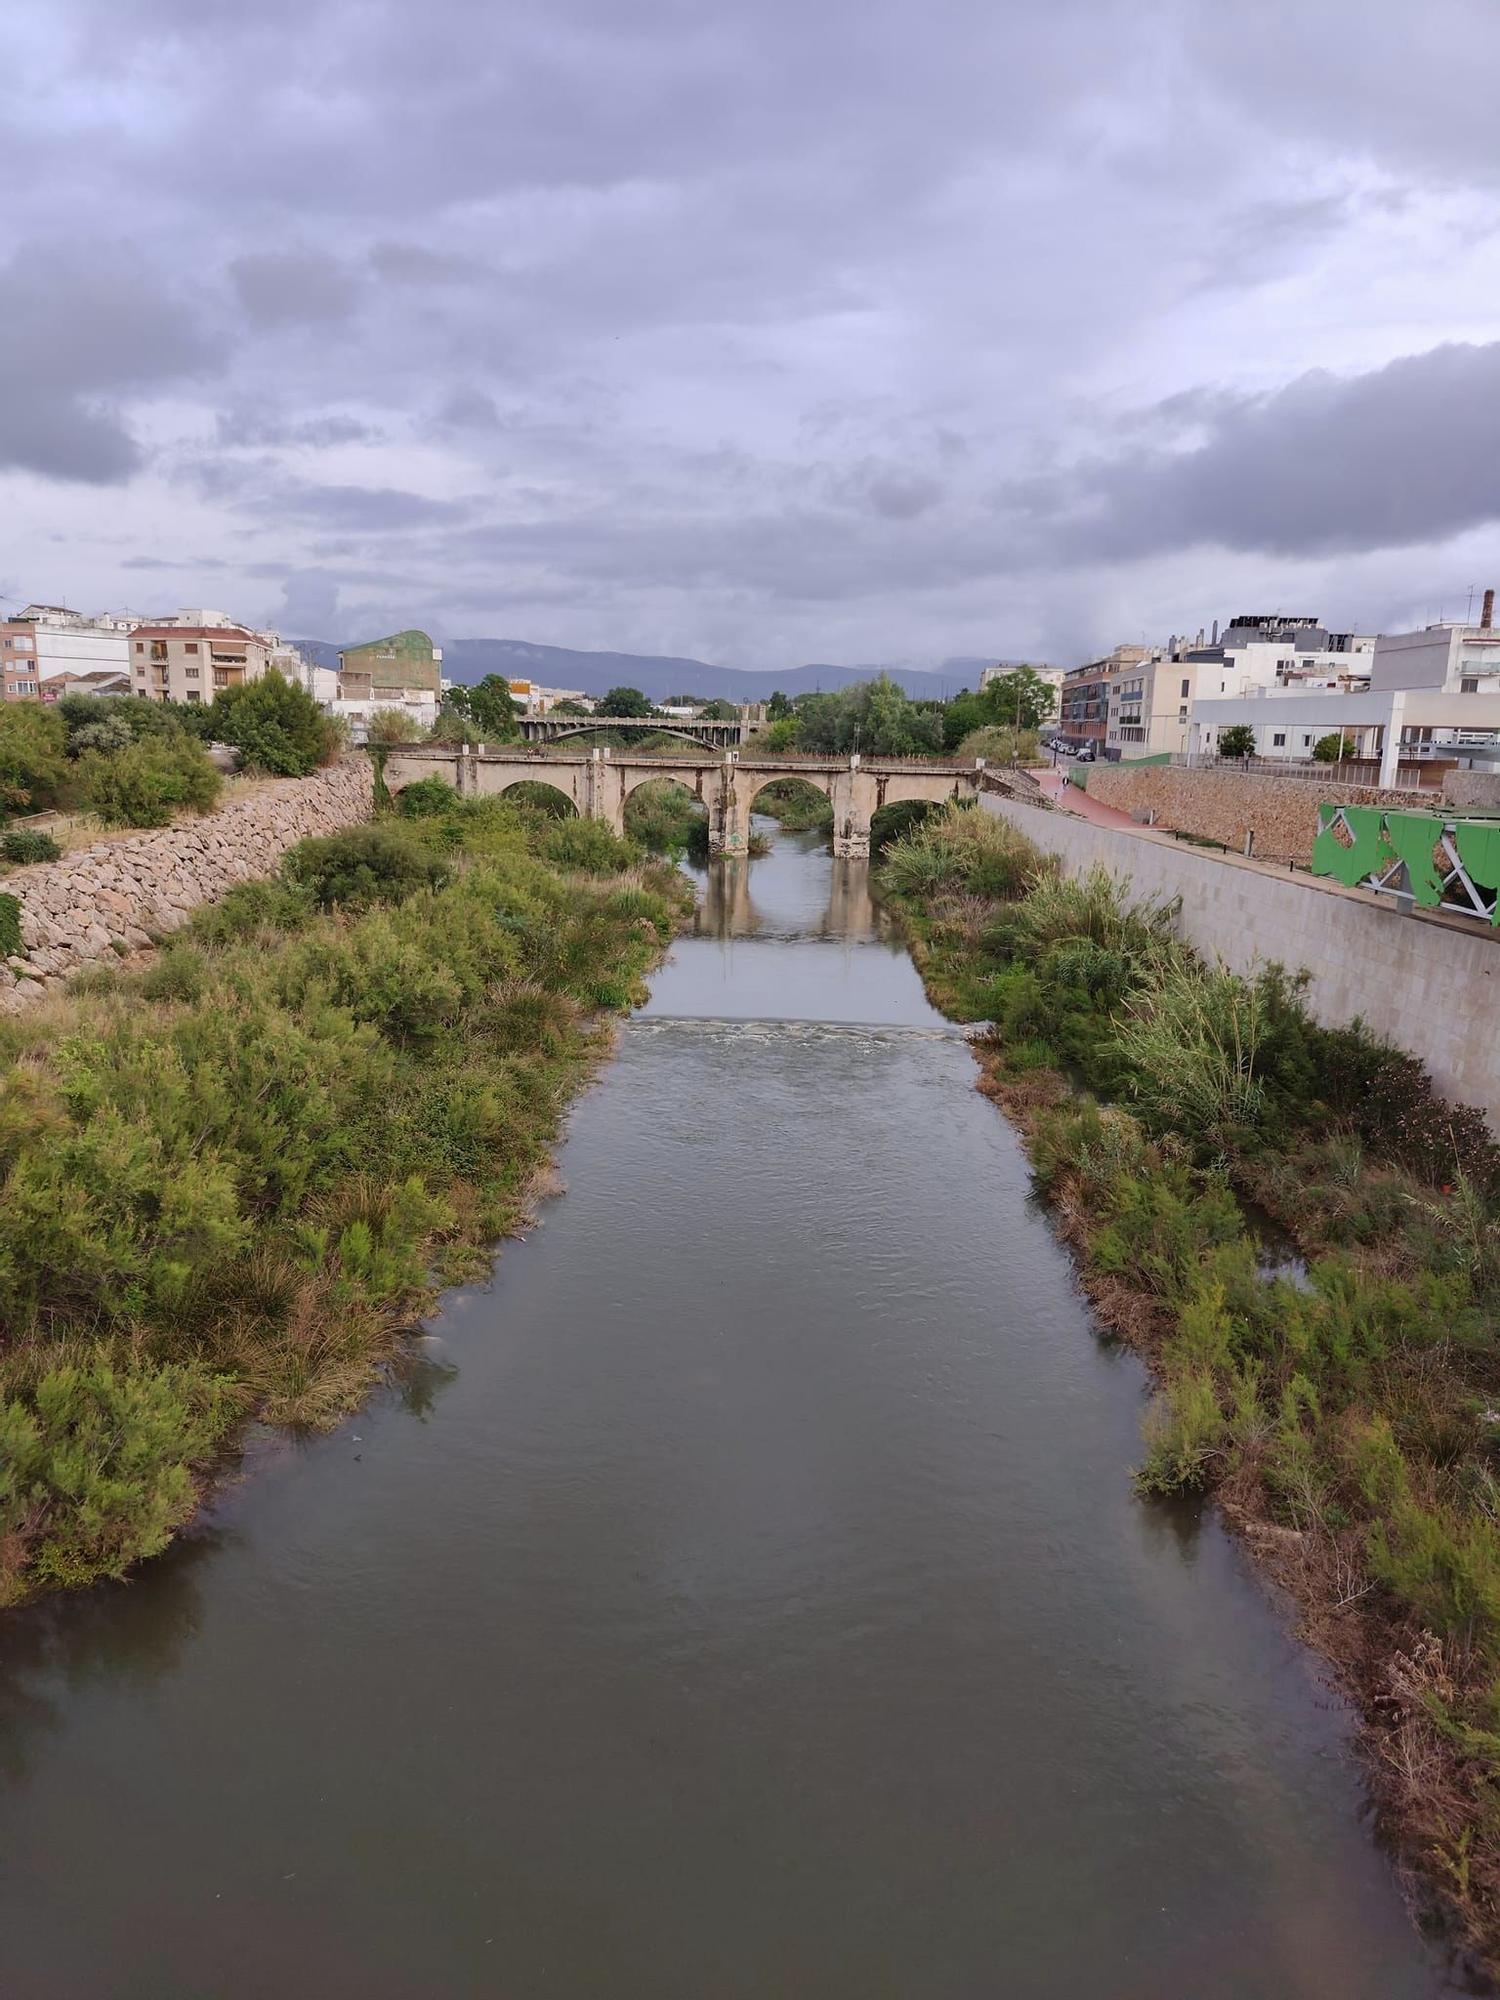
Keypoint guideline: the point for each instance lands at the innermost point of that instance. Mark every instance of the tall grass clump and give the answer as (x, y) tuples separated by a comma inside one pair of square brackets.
[(227, 1181)]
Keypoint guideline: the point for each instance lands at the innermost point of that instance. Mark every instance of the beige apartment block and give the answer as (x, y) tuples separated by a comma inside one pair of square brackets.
[(193, 662)]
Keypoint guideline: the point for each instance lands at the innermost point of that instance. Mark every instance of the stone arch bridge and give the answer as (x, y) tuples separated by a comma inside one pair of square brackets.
[(598, 784)]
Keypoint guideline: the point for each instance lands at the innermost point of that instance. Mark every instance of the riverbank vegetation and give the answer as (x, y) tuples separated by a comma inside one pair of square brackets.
[(132, 762), (228, 1181), (796, 806), (1344, 1405)]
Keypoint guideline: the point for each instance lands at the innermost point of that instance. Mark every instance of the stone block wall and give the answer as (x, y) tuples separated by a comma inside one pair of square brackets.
[(120, 895), (1226, 805)]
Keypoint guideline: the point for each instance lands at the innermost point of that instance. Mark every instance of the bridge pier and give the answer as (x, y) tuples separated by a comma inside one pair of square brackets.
[(728, 817), (853, 795)]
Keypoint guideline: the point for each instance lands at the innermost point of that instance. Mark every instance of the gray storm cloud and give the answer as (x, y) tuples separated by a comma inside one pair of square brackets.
[(942, 329)]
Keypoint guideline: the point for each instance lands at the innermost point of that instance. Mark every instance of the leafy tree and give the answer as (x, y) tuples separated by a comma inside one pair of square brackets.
[(964, 714), (275, 725), (784, 733), (625, 701), (569, 708), (874, 717), (109, 722), (1021, 698), (720, 711), (779, 707), (489, 705), (32, 764), (452, 726), (1238, 740), (1333, 748)]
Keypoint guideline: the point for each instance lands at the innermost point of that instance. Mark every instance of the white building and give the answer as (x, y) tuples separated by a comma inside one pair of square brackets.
[(1391, 724), (533, 699), (1451, 659), (70, 642)]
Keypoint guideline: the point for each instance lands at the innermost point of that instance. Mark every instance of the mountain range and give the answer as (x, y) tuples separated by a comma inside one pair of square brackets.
[(661, 674)]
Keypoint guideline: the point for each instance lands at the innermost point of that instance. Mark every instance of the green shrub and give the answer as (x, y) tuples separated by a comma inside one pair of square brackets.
[(98, 1470), (148, 781), (664, 817), (366, 864), (33, 767), (1185, 1434), (10, 926), (178, 974), (426, 796), (24, 847), (587, 844)]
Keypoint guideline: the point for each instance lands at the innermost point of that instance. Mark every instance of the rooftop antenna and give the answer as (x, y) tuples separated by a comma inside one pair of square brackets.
[(1469, 614)]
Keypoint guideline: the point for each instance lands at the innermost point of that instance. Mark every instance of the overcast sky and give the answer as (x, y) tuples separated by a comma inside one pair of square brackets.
[(763, 330)]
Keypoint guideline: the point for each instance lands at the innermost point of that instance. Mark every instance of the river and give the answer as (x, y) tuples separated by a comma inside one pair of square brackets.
[(741, 1596)]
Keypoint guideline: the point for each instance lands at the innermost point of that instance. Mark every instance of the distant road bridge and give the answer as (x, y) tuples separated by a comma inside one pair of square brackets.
[(552, 728), (598, 784)]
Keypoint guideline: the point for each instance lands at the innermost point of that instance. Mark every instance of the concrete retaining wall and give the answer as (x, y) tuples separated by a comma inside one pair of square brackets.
[(120, 895), (1226, 805), (1473, 788), (1423, 983)]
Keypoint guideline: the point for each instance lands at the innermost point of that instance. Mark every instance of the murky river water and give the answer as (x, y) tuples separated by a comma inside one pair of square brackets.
[(744, 1597)]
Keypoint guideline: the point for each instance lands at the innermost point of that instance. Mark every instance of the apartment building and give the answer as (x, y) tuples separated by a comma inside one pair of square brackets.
[(1083, 699), (1150, 701), (1449, 658), (20, 678), (181, 662)]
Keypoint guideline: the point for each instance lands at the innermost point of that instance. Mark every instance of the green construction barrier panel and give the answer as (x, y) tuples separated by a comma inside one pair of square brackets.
[(1368, 854), (1478, 844), (1414, 836)]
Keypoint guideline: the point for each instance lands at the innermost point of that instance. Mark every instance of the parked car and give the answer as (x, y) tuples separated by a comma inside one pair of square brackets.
[(1087, 755)]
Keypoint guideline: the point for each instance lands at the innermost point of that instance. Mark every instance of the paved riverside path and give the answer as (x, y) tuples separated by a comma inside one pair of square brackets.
[(1071, 798)]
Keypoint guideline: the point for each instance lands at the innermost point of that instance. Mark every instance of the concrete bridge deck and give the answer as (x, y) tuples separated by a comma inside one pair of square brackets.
[(598, 783)]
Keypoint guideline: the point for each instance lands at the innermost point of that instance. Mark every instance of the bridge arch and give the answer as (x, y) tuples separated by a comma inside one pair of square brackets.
[(817, 781), (691, 781), (529, 783), (597, 725)]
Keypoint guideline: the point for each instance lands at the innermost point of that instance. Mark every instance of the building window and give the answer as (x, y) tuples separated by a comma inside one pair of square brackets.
[(140, 670), (191, 672), (1278, 741), (1306, 742), (190, 645), (1470, 686), (140, 645), (1186, 689), (1182, 713), (159, 651), (192, 693)]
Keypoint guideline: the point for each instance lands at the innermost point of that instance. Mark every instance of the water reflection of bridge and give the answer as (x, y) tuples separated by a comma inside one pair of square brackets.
[(727, 907)]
